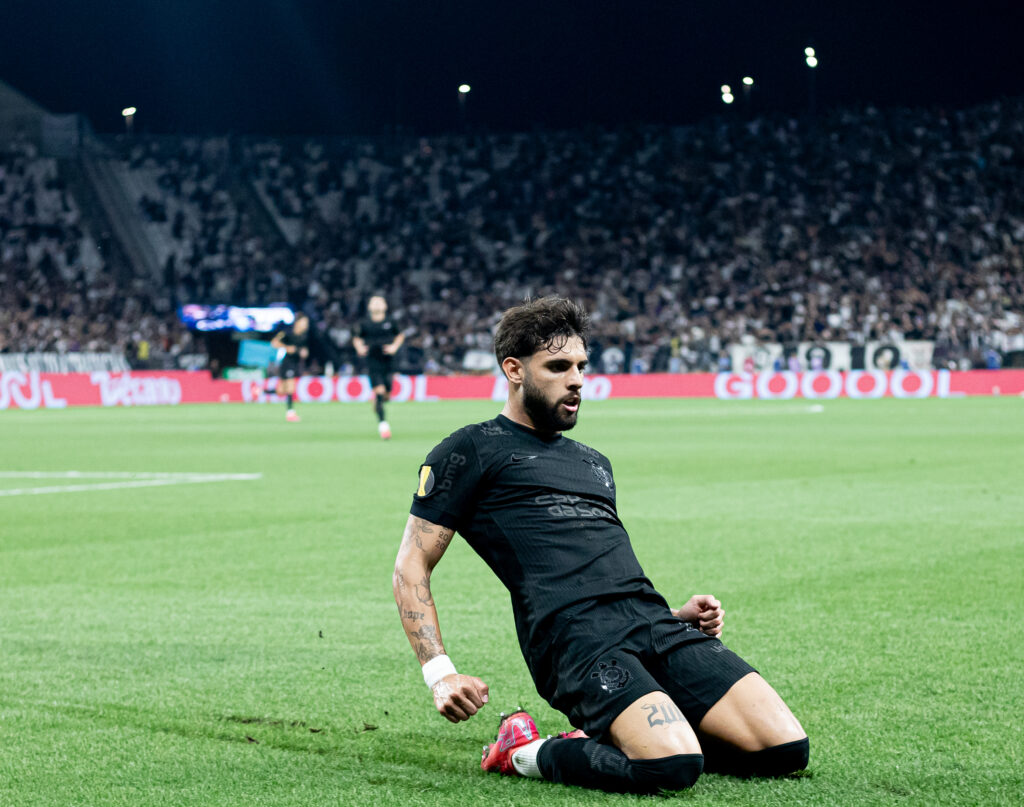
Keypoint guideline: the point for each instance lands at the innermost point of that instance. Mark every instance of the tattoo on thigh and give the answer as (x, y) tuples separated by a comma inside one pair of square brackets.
[(661, 714)]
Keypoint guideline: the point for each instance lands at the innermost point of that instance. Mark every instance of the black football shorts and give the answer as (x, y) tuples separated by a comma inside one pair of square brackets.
[(289, 366), (380, 372), (609, 655)]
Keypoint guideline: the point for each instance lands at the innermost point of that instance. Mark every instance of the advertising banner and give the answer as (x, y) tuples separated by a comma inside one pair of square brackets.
[(21, 390), (762, 357), (34, 390), (63, 362), (868, 384)]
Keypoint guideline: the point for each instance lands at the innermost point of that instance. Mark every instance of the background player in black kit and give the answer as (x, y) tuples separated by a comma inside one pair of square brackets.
[(295, 341), (653, 693), (378, 339)]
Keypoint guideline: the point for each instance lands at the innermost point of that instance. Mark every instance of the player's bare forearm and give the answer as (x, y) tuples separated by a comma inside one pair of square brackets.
[(423, 544), (419, 616), (456, 697)]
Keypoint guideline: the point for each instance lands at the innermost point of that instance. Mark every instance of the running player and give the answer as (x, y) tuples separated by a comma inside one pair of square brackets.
[(294, 341), (653, 693), (377, 339)]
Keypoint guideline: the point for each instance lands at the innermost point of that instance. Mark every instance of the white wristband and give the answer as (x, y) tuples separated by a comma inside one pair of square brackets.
[(436, 669)]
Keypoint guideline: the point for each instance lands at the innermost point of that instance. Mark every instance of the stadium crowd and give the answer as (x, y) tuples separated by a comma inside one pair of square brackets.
[(211, 249), (868, 225), (861, 225), (56, 292)]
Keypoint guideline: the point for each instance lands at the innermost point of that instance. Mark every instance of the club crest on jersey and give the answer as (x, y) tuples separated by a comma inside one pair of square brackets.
[(426, 481), (611, 675), (603, 474)]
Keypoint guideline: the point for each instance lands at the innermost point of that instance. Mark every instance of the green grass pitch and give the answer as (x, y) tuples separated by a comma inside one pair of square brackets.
[(236, 643)]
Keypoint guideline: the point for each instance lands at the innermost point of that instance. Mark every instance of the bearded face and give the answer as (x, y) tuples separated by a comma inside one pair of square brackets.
[(554, 411)]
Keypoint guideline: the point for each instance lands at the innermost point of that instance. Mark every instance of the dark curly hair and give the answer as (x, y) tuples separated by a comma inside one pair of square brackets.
[(547, 323)]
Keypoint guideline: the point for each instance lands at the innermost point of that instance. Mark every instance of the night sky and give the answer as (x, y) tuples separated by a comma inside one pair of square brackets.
[(337, 67)]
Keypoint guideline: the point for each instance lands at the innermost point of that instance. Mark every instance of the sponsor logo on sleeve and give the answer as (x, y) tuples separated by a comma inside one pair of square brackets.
[(426, 481)]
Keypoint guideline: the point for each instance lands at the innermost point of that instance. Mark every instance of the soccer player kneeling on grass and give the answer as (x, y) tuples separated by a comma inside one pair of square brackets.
[(654, 695)]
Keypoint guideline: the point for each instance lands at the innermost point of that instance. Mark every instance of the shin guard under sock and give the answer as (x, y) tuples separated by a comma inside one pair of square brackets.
[(588, 763), (779, 760)]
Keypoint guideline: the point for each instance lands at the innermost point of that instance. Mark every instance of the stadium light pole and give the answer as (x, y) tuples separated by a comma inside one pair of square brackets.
[(748, 88), (464, 90), (128, 113), (811, 60)]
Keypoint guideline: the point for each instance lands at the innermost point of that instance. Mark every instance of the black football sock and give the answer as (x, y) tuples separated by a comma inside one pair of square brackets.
[(779, 760), (588, 763), (378, 407), (291, 397)]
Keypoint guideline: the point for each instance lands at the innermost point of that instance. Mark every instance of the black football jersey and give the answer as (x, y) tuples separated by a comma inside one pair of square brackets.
[(377, 335), (540, 511), (290, 338)]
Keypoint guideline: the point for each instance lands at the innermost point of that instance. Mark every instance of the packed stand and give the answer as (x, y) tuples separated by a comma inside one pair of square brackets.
[(866, 225), (207, 243), (863, 225), (56, 293)]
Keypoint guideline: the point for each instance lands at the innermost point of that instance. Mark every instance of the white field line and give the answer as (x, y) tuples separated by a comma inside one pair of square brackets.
[(129, 480), (121, 475)]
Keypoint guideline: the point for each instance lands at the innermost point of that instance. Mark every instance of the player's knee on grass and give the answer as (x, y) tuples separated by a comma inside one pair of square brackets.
[(678, 772), (778, 760), (588, 763)]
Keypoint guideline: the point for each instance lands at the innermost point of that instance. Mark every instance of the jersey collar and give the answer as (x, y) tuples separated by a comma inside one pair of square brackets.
[(549, 438)]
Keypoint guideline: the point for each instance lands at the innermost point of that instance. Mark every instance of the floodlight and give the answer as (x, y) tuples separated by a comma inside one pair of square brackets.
[(464, 88), (728, 97), (748, 81), (726, 89), (809, 52), (812, 61), (128, 111)]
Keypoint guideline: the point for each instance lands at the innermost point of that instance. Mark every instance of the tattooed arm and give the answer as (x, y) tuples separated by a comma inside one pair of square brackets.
[(457, 697)]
